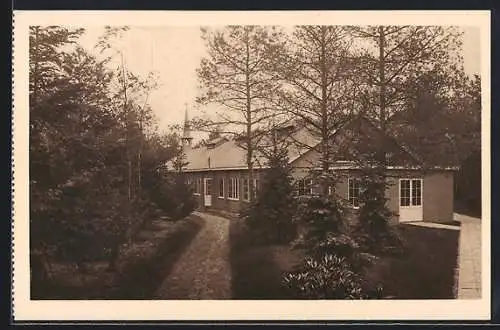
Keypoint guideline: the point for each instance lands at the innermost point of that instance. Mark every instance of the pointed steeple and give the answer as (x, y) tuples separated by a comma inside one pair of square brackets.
[(186, 135)]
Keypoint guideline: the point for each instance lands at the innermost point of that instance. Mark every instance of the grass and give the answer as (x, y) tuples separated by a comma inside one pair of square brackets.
[(257, 268), (141, 267), (470, 209), (427, 268), (141, 279)]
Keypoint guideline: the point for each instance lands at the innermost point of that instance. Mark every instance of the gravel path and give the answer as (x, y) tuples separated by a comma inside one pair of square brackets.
[(469, 259), (203, 271)]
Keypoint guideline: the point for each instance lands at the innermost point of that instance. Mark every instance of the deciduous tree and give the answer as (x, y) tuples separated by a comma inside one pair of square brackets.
[(235, 77), (319, 86)]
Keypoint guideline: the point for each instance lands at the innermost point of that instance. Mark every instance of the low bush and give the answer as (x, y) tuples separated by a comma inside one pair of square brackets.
[(173, 196), (140, 267), (329, 277), (334, 264)]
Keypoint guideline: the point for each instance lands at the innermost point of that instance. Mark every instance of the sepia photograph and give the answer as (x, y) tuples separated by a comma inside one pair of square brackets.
[(244, 158)]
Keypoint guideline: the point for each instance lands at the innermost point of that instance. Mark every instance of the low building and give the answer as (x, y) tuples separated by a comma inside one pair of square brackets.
[(416, 191)]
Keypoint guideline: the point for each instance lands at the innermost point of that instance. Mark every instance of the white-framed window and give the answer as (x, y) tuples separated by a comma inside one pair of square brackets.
[(221, 188), (208, 187), (410, 192), (233, 191), (304, 187), (353, 189), (246, 189), (197, 186)]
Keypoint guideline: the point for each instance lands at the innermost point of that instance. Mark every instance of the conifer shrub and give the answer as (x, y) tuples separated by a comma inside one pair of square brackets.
[(174, 196), (270, 216), (334, 265), (373, 230)]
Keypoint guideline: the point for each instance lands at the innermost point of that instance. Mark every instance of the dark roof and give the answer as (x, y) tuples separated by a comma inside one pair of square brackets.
[(229, 154)]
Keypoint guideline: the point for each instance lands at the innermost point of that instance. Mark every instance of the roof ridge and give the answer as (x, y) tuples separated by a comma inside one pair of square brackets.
[(399, 143)]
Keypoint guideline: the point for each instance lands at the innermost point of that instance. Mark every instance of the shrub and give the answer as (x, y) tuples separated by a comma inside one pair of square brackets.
[(270, 216), (373, 232), (324, 227), (173, 196), (329, 277), (334, 266)]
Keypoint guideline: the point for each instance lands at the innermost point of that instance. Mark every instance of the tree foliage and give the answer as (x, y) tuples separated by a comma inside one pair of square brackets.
[(318, 84), (235, 77), (395, 57), (90, 152)]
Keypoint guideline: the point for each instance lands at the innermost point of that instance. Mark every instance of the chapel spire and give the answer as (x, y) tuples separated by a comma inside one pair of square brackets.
[(186, 135)]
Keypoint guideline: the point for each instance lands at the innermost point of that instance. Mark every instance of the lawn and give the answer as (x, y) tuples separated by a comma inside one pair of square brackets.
[(426, 269), (141, 267), (257, 268), (471, 208)]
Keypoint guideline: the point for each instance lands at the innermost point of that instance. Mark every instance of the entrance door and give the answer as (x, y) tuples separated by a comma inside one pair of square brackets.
[(410, 200), (208, 191)]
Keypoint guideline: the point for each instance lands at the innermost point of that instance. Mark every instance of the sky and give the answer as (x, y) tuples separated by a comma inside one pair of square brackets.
[(175, 54)]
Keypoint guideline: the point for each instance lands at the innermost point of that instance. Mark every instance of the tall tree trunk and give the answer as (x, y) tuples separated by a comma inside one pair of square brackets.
[(128, 152), (382, 97), (139, 158), (325, 149), (249, 119), (380, 172)]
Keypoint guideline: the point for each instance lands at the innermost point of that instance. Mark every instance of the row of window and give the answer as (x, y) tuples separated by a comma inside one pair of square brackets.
[(305, 187), (410, 191), (233, 188), (232, 185)]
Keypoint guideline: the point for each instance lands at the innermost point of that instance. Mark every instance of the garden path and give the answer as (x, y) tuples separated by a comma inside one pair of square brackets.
[(469, 258), (203, 271)]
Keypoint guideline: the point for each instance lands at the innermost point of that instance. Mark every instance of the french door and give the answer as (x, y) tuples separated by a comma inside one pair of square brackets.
[(410, 200), (208, 192)]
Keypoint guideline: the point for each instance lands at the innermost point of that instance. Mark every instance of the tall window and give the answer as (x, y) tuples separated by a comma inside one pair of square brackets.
[(221, 188), (353, 192), (233, 191), (416, 192), (246, 190), (197, 186), (410, 192), (304, 187), (208, 187)]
